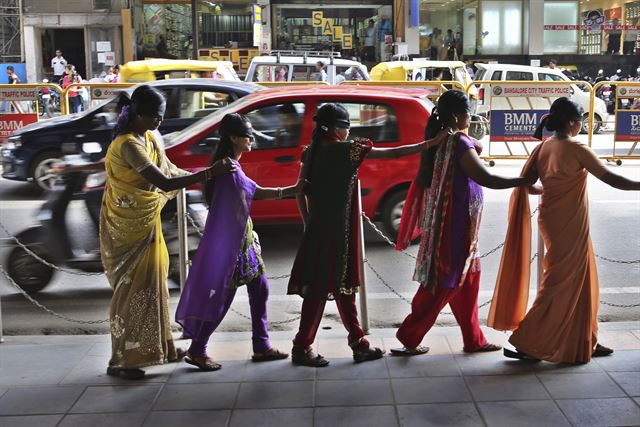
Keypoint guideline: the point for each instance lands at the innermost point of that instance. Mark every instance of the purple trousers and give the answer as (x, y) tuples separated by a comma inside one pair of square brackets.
[(258, 291)]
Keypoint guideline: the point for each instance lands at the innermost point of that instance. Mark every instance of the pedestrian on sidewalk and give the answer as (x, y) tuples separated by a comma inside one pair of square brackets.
[(75, 99), (443, 207), (140, 180), (229, 254), (562, 325), (327, 265)]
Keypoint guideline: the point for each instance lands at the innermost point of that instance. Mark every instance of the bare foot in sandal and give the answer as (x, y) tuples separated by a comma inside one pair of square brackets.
[(408, 351), (269, 355), (204, 362), (484, 349)]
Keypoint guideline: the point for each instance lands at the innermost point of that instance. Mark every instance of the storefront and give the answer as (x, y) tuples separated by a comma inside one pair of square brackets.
[(225, 30), (308, 27), (595, 27)]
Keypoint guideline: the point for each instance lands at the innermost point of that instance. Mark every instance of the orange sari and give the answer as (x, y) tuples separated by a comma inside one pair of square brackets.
[(561, 326)]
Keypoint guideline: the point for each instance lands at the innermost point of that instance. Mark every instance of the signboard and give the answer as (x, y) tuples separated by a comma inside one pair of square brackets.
[(18, 94), (104, 92), (629, 91), (327, 28), (109, 59), (337, 34), (241, 58), (347, 41), (515, 125), (522, 90), (627, 126), (12, 122), (316, 19)]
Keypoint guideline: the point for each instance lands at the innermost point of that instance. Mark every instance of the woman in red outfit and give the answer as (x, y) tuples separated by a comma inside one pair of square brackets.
[(445, 201)]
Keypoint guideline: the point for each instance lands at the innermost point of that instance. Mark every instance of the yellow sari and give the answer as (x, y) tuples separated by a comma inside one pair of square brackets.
[(134, 254)]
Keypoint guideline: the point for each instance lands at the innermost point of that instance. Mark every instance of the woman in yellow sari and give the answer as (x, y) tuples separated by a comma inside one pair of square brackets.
[(140, 181), (562, 325)]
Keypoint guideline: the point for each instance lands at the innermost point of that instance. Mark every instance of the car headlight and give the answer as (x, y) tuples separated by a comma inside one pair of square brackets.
[(13, 142)]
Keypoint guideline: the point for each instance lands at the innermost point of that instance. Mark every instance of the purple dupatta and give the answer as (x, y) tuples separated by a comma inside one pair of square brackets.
[(209, 281)]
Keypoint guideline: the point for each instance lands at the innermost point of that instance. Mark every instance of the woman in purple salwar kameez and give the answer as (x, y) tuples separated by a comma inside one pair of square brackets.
[(229, 254)]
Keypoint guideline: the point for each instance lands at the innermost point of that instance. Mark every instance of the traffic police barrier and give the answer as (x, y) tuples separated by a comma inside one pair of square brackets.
[(97, 92), (435, 88), (20, 105), (515, 108), (280, 84), (626, 98)]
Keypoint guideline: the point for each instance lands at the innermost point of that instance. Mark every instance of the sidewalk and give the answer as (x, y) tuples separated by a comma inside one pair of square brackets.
[(61, 381)]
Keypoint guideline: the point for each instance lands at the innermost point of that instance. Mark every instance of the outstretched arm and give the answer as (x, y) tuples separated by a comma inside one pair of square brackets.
[(592, 163), (473, 167), (407, 150), (619, 181), (279, 192), (166, 183)]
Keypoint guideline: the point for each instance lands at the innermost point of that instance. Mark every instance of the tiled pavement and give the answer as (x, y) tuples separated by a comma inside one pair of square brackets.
[(61, 381)]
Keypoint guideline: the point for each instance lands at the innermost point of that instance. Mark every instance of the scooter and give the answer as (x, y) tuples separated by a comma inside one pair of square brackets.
[(51, 239), (479, 126)]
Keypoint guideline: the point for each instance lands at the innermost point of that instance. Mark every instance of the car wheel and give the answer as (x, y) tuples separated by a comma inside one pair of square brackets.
[(40, 169), (585, 124), (29, 273), (392, 213)]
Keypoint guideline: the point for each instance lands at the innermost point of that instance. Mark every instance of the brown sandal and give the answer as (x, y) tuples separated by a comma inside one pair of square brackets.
[(204, 362), (269, 355), (601, 351), (485, 348), (367, 354), (404, 351), (306, 357)]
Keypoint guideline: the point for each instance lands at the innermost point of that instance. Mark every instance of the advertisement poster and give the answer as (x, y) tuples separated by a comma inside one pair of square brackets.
[(516, 125), (12, 122), (628, 126)]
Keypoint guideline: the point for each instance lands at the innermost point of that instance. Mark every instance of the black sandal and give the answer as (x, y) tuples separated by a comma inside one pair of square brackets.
[(367, 354), (306, 357), (127, 374), (601, 351), (517, 354)]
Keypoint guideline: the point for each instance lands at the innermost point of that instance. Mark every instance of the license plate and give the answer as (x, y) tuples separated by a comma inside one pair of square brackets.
[(46, 96)]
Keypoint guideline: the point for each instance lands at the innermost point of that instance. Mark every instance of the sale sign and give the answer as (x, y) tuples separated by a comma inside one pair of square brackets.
[(515, 125), (9, 123), (627, 126)]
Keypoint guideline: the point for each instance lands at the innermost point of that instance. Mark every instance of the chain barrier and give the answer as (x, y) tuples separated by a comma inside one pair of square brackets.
[(42, 260), (48, 310)]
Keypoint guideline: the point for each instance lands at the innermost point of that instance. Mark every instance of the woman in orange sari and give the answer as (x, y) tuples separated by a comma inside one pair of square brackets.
[(561, 326)]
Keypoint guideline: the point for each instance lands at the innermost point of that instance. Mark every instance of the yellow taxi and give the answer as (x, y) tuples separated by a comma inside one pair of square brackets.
[(162, 69)]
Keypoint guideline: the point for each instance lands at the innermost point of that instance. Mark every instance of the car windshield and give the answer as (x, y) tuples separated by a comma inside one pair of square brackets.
[(208, 121)]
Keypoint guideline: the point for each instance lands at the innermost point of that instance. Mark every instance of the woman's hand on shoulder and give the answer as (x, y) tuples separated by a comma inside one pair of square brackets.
[(222, 167), (440, 137)]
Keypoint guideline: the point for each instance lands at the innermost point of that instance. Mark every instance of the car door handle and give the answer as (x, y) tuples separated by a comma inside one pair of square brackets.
[(285, 159)]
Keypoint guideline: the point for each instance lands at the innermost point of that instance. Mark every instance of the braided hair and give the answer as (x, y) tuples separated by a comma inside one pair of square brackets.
[(451, 102)]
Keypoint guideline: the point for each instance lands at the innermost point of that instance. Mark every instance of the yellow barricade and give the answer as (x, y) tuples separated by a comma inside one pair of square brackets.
[(20, 105), (280, 84), (522, 96), (626, 116), (97, 91)]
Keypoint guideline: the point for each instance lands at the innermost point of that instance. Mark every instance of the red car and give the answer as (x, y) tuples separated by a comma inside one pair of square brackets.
[(282, 121)]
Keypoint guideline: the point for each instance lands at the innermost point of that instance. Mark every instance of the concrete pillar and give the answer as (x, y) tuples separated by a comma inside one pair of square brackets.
[(33, 58), (535, 27)]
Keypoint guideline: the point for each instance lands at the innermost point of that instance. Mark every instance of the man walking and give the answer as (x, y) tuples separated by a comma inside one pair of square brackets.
[(58, 63)]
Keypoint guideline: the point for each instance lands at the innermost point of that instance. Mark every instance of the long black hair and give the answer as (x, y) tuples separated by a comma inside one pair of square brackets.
[(145, 101), (451, 102), (232, 124), (327, 117), (562, 111)]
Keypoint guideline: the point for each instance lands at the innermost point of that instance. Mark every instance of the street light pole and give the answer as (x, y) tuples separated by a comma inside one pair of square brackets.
[(194, 29)]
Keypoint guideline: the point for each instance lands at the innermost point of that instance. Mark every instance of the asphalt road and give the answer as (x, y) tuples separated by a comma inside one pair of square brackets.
[(615, 225)]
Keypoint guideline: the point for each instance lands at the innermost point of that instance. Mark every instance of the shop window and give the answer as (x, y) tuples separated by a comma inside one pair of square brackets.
[(549, 77), (519, 75), (277, 126), (195, 103), (376, 122), (502, 32), (560, 13)]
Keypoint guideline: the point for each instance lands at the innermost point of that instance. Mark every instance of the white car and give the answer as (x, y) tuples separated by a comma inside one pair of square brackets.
[(296, 67), (509, 72)]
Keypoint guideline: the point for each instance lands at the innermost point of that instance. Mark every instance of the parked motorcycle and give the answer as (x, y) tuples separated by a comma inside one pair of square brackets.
[(479, 127)]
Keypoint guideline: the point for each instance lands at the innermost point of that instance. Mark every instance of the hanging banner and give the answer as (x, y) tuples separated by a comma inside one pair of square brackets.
[(347, 41), (627, 126), (516, 125), (337, 34), (317, 19)]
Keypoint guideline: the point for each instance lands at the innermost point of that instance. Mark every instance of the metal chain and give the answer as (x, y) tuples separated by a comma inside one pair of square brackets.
[(48, 310), (194, 225), (42, 260), (610, 304), (633, 261)]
